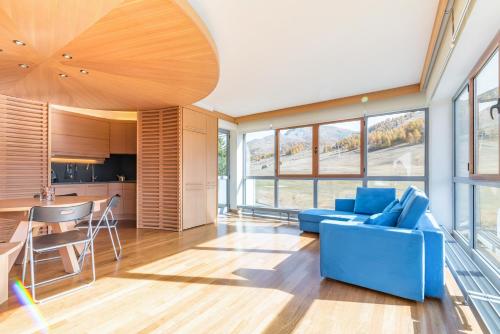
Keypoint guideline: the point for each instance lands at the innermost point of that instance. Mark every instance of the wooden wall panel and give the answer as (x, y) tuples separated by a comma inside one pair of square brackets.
[(24, 146), (159, 169)]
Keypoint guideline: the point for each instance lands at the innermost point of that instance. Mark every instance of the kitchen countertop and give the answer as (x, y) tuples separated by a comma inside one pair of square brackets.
[(96, 182)]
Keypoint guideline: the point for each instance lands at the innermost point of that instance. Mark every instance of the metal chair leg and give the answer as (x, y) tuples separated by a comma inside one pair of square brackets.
[(119, 242), (25, 261), (32, 269), (112, 241)]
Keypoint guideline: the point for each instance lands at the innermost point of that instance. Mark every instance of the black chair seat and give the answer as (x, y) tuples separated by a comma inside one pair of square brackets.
[(42, 242), (112, 222)]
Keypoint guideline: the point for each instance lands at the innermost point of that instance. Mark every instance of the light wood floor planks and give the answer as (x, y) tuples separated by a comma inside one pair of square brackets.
[(245, 275)]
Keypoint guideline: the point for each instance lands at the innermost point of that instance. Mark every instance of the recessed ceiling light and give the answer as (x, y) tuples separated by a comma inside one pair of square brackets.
[(364, 99), (82, 71), (62, 75), (67, 56), (18, 42), (23, 65)]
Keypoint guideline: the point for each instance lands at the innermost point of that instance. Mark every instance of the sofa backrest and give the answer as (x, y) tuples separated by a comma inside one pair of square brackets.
[(373, 200)]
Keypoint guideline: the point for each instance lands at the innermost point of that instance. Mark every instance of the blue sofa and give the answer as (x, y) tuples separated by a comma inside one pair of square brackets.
[(402, 255), (368, 201)]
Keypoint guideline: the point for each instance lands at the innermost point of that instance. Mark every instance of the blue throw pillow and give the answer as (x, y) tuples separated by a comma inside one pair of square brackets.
[(391, 205), (373, 200), (407, 194), (413, 210), (386, 218)]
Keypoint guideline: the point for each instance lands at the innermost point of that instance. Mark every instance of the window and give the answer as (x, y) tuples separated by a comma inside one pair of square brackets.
[(477, 189), (488, 223), (462, 219), (260, 153), (259, 192), (462, 116), (396, 144), (296, 147), (340, 148), (329, 190), (295, 194), (487, 148), (399, 185), (315, 164)]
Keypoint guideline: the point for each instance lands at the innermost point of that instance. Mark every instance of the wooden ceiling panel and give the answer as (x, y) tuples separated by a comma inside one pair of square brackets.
[(139, 54)]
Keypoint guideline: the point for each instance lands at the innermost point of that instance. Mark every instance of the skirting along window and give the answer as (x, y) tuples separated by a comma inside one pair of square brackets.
[(312, 165)]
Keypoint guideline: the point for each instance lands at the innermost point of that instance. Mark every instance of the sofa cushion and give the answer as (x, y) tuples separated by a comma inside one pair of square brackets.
[(317, 215), (387, 218), (373, 200), (407, 194), (391, 205), (415, 208)]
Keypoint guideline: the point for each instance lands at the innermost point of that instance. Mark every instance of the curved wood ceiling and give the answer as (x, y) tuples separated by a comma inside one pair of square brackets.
[(139, 54)]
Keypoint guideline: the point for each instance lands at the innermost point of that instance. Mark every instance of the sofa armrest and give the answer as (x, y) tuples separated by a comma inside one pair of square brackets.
[(382, 258), (344, 204)]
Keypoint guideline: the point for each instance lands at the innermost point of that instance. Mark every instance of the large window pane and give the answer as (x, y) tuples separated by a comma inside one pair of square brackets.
[(399, 185), (486, 95), (329, 190), (296, 151), (462, 118), (396, 144), (488, 223), (260, 153), (260, 193), (295, 194), (462, 206), (339, 148)]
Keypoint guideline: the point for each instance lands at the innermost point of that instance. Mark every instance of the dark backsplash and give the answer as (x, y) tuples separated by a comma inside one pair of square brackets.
[(122, 164)]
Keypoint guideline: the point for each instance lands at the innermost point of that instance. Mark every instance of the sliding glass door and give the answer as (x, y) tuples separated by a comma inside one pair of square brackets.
[(223, 171)]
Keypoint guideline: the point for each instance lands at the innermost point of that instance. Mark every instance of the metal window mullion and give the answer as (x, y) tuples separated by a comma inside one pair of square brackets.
[(276, 192), (315, 193)]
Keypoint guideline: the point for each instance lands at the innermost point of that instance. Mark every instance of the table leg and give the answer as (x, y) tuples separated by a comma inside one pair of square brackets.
[(68, 255), (20, 235), (4, 278)]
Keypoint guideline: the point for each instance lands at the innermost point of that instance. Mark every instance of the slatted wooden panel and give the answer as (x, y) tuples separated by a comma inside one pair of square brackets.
[(159, 169), (24, 160)]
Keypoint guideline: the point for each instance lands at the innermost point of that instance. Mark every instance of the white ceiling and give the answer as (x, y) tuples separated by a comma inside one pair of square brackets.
[(280, 53)]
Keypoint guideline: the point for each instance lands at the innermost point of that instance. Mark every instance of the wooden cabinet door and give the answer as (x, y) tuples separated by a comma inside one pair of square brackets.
[(129, 199), (123, 137), (194, 179), (194, 121), (116, 137), (64, 189), (78, 135), (211, 156), (131, 138)]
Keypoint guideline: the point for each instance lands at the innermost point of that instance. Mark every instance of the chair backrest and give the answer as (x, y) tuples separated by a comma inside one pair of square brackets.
[(61, 213), (114, 201)]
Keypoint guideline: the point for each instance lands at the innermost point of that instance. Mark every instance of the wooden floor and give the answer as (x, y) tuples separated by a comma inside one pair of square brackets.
[(245, 275)]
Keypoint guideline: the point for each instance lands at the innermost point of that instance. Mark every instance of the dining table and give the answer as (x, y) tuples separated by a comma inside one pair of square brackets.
[(18, 210)]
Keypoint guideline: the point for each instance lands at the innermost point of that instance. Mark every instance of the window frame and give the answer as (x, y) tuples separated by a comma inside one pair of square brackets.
[(471, 80), (362, 132), (473, 180), (277, 154), (363, 178)]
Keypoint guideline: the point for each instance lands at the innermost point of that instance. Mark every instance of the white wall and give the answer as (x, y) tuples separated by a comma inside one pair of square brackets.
[(440, 161)]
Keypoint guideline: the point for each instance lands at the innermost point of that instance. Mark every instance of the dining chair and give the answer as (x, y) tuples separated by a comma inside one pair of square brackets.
[(109, 222), (36, 245)]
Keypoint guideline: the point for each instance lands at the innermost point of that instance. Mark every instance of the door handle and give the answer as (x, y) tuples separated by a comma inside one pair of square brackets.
[(495, 106)]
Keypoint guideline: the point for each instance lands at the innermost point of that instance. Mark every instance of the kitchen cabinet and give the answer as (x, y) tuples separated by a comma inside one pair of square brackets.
[(123, 137), (78, 135)]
